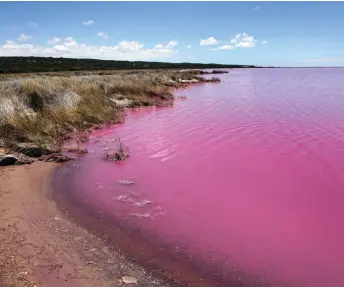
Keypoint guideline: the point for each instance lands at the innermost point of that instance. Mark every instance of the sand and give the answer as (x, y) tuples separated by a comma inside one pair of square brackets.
[(41, 246)]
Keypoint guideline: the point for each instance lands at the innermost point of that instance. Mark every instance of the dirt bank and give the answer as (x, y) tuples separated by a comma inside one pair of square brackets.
[(40, 246)]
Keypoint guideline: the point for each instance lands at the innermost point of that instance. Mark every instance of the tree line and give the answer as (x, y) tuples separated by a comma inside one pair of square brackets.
[(50, 64)]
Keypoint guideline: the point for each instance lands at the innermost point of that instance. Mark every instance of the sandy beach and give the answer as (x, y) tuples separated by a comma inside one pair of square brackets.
[(40, 246), (46, 240)]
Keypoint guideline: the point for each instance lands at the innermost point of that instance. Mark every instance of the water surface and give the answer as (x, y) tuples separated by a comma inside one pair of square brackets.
[(245, 176)]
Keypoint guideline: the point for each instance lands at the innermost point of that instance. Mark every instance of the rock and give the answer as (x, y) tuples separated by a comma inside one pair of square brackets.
[(21, 275), (192, 81), (11, 159), (7, 160), (121, 103), (129, 280), (56, 157), (57, 218), (32, 150)]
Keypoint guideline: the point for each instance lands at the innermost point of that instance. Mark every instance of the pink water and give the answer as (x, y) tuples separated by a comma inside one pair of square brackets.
[(245, 176)]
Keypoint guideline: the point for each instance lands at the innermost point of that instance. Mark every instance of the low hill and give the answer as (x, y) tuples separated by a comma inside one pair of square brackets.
[(49, 64)]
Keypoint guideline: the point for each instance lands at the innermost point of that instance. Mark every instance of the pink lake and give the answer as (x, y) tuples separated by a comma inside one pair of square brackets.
[(245, 176)]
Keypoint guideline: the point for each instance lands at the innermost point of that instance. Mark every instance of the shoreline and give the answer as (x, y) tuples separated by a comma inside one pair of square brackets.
[(47, 239), (42, 246), (156, 259), (49, 224)]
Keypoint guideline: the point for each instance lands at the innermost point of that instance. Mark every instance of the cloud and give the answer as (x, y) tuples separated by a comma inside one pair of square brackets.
[(188, 47), (102, 34), (171, 44), (24, 38), (89, 22), (68, 47), (208, 42), (224, 47), (244, 41), (264, 42), (241, 40), (256, 8), (54, 41), (33, 24)]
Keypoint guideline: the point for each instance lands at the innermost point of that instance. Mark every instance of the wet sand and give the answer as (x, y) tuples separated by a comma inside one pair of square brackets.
[(41, 246), (153, 256)]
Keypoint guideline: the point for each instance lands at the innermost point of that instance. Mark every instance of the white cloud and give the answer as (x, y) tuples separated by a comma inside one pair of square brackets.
[(68, 47), (208, 42), (62, 49), (24, 38), (54, 41), (188, 47), (171, 44), (224, 47), (70, 42), (102, 34), (264, 42), (256, 8), (89, 22), (244, 41)]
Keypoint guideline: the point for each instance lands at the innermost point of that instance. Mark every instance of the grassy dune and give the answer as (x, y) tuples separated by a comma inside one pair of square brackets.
[(38, 111)]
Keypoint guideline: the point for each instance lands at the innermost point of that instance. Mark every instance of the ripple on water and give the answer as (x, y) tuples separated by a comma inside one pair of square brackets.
[(257, 163)]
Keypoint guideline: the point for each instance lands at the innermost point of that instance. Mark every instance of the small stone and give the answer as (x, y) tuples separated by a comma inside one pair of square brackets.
[(21, 275), (57, 218), (93, 249), (129, 280)]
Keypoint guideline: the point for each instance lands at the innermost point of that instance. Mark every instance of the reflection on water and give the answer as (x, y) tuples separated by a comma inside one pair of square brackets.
[(245, 175)]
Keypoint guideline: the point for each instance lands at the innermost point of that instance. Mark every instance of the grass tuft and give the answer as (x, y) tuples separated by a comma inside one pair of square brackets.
[(120, 153), (41, 110)]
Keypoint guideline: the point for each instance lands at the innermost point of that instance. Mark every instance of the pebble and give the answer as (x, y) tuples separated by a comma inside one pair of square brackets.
[(129, 280)]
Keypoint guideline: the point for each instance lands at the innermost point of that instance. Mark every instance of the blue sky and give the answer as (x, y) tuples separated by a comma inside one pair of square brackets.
[(260, 33)]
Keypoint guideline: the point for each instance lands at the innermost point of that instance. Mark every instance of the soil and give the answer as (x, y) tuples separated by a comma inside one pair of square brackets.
[(41, 246)]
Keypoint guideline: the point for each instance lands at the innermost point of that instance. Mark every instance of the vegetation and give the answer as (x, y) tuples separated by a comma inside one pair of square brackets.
[(37, 113), (121, 152), (49, 64)]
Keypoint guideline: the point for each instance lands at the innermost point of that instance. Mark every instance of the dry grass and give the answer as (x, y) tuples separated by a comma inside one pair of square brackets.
[(121, 152), (41, 110)]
